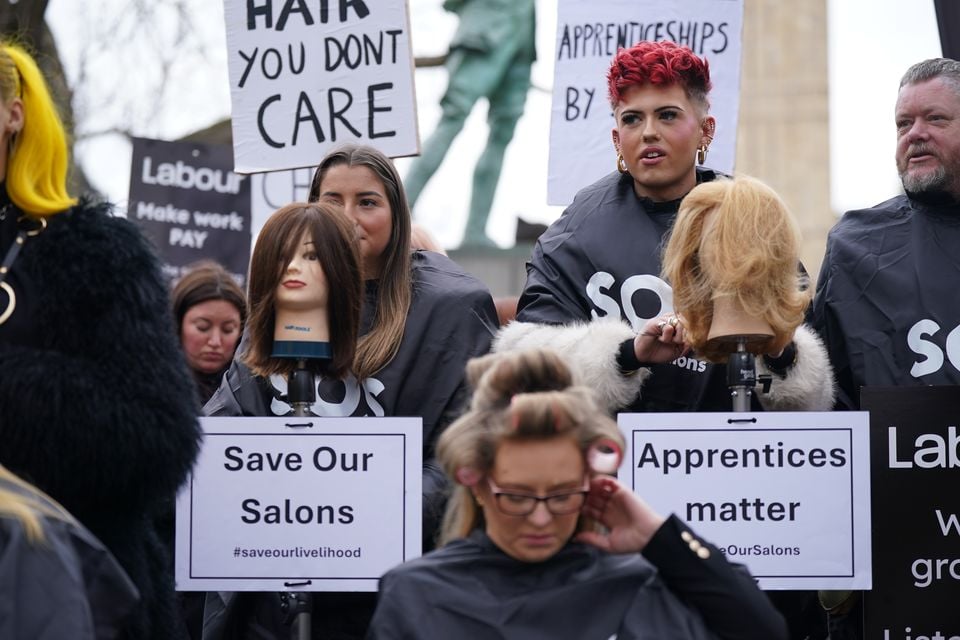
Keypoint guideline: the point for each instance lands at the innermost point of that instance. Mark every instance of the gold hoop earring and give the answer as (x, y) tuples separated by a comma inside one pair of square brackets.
[(621, 163), (702, 154)]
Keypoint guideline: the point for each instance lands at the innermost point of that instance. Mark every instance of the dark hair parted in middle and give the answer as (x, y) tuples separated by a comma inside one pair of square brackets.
[(335, 242), (203, 281), (394, 293)]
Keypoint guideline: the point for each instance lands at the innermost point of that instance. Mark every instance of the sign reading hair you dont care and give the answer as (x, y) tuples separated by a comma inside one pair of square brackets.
[(308, 76)]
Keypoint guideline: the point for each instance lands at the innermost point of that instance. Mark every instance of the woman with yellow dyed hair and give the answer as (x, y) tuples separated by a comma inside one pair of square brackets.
[(96, 400)]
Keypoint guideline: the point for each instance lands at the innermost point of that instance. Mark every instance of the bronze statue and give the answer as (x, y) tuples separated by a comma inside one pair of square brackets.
[(490, 56)]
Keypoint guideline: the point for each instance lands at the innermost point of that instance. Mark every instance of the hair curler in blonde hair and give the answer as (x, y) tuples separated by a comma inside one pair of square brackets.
[(519, 395), (733, 260)]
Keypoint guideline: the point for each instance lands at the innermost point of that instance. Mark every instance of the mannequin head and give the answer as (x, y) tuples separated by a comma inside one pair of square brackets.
[(735, 243), (314, 245)]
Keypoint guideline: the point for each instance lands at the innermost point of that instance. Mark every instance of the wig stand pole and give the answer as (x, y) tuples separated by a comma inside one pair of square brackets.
[(298, 605), (742, 376)]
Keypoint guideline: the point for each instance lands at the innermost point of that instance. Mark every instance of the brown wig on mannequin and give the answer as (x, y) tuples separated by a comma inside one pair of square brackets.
[(519, 395), (736, 239), (336, 247)]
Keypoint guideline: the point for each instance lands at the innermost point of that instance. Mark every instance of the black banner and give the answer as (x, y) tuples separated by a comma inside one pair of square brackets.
[(948, 22), (191, 204), (915, 468)]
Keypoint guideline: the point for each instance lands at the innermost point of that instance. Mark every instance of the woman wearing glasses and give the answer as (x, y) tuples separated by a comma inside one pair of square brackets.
[(523, 556)]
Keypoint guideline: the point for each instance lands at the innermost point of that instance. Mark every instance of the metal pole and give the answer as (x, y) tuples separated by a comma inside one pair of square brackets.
[(741, 376), (301, 394)]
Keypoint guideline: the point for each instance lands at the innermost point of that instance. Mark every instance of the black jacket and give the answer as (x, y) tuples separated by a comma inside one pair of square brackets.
[(471, 589), (96, 403), (64, 586), (887, 305)]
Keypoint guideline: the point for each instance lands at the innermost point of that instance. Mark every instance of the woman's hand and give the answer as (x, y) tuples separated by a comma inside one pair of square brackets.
[(661, 340), (630, 521)]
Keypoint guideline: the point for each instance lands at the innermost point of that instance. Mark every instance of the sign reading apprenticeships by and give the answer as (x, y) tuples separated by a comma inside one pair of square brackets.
[(191, 204), (786, 494), (306, 76), (916, 513), (315, 504), (588, 36)]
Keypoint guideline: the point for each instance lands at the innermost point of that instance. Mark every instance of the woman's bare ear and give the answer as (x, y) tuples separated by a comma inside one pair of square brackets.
[(615, 135), (15, 121)]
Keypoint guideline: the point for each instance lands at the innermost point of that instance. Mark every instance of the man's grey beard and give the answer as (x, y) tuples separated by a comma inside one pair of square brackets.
[(929, 182)]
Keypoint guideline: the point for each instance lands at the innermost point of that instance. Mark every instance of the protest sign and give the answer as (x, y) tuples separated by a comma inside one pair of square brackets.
[(311, 504), (588, 35), (191, 204), (275, 189), (786, 494), (307, 76), (916, 513)]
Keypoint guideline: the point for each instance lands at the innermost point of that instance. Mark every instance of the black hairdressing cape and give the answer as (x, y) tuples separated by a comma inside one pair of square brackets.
[(887, 305), (602, 258), (471, 589)]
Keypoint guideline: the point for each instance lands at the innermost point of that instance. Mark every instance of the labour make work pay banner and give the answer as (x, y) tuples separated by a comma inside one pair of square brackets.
[(304, 504), (308, 76), (786, 494), (588, 35)]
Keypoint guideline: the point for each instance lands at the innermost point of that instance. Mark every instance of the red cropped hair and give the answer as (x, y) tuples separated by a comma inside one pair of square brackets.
[(661, 64)]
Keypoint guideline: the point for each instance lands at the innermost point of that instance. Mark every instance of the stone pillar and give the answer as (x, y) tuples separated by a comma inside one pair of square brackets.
[(784, 135)]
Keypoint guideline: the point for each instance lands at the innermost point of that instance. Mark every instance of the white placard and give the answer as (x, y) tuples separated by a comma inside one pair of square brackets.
[(588, 35), (274, 504), (307, 76), (786, 494), (270, 191)]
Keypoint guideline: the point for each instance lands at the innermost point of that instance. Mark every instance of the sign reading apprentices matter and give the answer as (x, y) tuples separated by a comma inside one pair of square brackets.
[(588, 36), (916, 513), (786, 494), (304, 504), (307, 76), (191, 205)]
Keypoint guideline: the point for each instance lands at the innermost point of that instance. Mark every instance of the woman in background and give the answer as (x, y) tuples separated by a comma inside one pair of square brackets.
[(210, 310)]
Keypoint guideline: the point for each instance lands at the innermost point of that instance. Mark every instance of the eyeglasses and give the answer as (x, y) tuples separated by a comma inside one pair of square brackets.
[(522, 504)]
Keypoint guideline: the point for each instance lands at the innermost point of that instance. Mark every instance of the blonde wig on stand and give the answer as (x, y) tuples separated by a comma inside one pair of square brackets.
[(736, 239)]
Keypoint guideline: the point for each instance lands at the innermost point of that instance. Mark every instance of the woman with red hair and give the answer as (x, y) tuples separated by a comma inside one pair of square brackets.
[(597, 269), (594, 290)]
